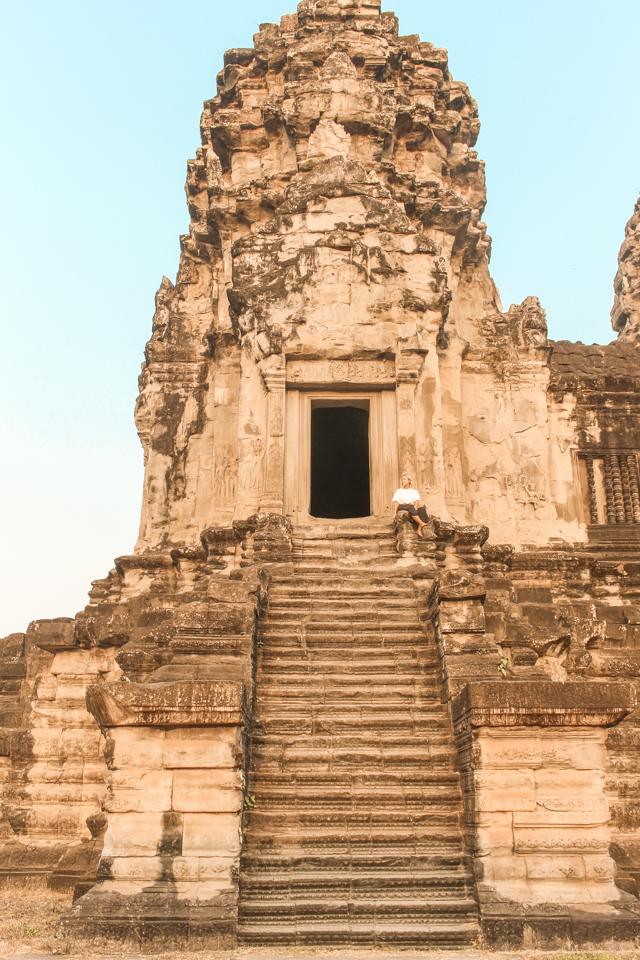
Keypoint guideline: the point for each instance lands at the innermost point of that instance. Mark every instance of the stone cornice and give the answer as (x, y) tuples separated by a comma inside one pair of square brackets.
[(542, 704), (185, 703)]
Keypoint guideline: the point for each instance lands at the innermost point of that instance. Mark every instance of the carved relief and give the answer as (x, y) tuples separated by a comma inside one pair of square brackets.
[(329, 139), (341, 371), (423, 458), (526, 756), (274, 468), (407, 455), (225, 473), (251, 464), (276, 414), (453, 474)]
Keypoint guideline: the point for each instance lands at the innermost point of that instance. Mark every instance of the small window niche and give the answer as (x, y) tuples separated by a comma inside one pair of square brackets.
[(610, 486)]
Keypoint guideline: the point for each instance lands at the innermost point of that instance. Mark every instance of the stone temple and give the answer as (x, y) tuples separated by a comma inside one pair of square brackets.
[(285, 718)]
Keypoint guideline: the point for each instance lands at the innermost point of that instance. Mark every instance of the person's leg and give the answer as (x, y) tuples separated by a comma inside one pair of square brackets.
[(422, 513), (416, 518)]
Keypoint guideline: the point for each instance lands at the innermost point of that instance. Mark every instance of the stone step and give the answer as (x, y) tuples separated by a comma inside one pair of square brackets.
[(354, 538), (340, 760), (338, 683), (339, 547), (409, 636), (262, 740), (325, 655), (341, 609), (285, 821), (276, 662), (420, 831), (419, 693), (318, 724), (344, 785), (384, 908), (445, 862), (412, 650), (409, 643), (337, 528), (375, 569), (311, 588), (350, 762), (352, 933), (338, 611), (428, 801), (362, 748), (358, 624), (343, 555), (332, 717), (358, 885), (324, 574)]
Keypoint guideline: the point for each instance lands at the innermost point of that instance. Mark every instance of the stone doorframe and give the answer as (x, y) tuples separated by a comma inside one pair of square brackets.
[(383, 448)]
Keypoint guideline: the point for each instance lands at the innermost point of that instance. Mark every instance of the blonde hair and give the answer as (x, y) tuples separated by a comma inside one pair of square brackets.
[(410, 479)]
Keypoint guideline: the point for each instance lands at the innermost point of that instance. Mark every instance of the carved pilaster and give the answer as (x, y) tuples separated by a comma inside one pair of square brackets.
[(626, 488), (634, 486), (608, 487), (273, 498), (616, 481), (593, 497), (408, 364)]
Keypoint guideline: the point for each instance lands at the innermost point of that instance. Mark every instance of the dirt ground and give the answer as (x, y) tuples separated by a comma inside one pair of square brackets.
[(28, 920)]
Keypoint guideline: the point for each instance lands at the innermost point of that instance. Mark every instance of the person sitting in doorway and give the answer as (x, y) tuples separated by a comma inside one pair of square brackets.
[(406, 498)]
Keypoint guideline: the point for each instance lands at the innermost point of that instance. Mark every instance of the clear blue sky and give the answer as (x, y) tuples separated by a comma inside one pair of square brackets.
[(100, 109)]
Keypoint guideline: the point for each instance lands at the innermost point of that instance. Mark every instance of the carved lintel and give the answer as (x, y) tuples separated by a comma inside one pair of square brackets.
[(361, 372)]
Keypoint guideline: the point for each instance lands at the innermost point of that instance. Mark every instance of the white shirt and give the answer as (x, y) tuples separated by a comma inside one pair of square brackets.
[(406, 496)]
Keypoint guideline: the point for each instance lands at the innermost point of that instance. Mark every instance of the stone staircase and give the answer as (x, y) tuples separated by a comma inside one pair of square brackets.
[(344, 542), (355, 836)]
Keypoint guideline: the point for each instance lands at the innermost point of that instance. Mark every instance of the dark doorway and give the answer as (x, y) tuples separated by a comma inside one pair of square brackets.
[(339, 462)]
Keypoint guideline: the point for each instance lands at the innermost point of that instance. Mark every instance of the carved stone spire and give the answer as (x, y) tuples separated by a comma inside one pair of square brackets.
[(625, 316)]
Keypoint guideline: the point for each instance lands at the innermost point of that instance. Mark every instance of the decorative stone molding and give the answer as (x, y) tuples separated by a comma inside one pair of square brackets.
[(272, 539), (55, 635), (220, 545), (187, 703), (540, 704)]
